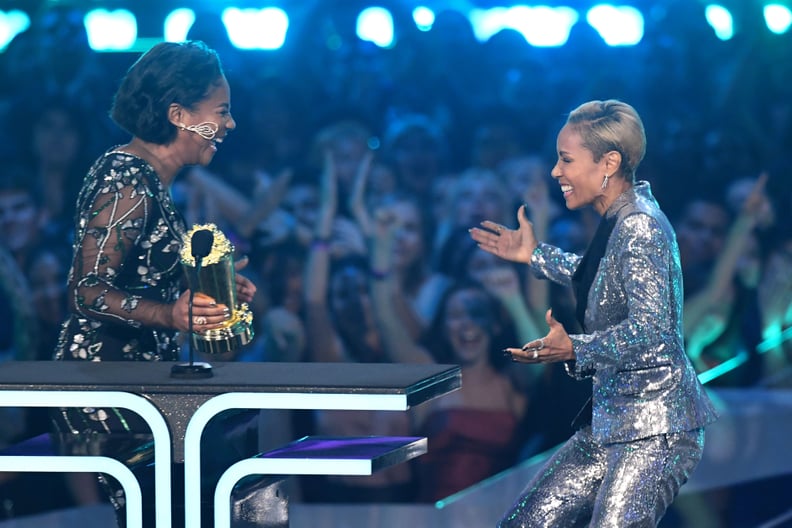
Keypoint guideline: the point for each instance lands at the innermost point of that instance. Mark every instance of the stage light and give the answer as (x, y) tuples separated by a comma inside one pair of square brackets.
[(423, 17), (12, 23), (723, 368), (542, 26), (256, 28), (721, 21), (487, 22), (778, 18), (177, 24), (110, 30), (617, 25), (375, 24)]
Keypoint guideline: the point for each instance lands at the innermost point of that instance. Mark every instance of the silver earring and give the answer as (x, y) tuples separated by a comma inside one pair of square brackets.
[(206, 130), (605, 181)]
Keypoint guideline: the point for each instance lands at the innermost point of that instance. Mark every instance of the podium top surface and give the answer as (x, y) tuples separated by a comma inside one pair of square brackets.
[(418, 382)]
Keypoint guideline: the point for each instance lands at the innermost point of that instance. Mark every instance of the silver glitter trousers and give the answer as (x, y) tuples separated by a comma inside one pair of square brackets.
[(618, 485)]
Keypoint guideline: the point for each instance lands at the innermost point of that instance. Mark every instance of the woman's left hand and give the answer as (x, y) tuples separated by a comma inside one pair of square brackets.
[(245, 288), (555, 346)]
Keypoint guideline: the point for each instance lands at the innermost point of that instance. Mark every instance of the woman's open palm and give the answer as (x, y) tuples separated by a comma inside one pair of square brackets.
[(511, 244)]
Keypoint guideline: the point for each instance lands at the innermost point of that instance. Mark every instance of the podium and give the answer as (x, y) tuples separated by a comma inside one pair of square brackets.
[(178, 410)]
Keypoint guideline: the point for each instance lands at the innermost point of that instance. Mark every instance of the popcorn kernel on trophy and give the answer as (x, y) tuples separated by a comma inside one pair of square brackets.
[(216, 278)]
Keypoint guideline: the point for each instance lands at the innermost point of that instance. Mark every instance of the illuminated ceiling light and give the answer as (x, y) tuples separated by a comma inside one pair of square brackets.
[(423, 17), (542, 26), (375, 24), (12, 23), (778, 18), (486, 22), (110, 30), (721, 21), (256, 28), (617, 25), (177, 24)]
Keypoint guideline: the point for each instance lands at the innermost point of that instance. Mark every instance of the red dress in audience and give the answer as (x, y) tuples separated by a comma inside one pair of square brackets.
[(465, 447)]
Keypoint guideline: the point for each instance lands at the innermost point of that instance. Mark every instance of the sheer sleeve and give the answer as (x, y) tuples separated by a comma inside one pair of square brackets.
[(112, 227)]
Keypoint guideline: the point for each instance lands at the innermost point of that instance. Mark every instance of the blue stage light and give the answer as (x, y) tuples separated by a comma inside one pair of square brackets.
[(375, 24), (778, 18), (256, 28), (423, 17), (177, 24), (721, 21), (114, 30), (542, 26), (12, 23), (617, 25)]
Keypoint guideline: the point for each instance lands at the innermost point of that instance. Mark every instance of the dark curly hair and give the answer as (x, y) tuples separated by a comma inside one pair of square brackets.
[(168, 73)]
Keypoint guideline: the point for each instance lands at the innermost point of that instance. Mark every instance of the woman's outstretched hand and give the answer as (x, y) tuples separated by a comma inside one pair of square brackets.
[(516, 245), (555, 346)]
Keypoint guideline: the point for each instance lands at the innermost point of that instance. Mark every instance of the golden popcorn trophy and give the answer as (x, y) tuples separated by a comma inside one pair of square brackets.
[(207, 258)]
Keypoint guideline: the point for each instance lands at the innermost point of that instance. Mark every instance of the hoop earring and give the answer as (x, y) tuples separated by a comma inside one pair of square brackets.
[(605, 182), (206, 130)]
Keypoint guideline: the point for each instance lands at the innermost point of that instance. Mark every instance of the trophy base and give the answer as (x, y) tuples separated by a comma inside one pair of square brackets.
[(237, 332)]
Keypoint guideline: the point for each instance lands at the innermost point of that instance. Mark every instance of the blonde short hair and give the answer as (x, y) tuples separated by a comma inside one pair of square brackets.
[(611, 125)]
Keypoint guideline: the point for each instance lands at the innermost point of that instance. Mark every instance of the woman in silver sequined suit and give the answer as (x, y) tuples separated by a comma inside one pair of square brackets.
[(644, 437)]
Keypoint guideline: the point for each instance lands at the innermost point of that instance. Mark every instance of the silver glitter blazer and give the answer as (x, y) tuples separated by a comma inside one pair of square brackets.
[(643, 382)]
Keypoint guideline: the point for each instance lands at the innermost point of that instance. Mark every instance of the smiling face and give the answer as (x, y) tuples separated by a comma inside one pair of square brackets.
[(348, 152), (212, 112), (408, 244), (479, 196), (576, 171), (302, 202), (468, 321)]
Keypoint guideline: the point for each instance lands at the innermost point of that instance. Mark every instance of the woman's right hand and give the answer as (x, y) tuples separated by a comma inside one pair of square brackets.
[(207, 314), (511, 244)]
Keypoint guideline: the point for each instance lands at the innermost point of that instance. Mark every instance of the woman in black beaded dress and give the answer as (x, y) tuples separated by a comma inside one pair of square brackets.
[(127, 300)]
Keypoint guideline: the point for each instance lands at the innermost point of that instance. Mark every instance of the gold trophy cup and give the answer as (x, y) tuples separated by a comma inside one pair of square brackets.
[(215, 277)]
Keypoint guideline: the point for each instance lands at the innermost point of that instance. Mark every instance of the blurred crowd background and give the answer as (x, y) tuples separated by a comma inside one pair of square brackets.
[(353, 176)]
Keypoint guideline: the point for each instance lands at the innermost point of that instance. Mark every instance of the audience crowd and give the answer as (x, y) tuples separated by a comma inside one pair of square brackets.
[(350, 183)]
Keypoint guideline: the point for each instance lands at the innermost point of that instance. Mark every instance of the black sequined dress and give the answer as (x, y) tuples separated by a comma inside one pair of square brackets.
[(126, 255)]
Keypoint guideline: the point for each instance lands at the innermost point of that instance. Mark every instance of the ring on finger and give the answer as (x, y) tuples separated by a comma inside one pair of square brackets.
[(541, 343), (535, 353), (199, 320)]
